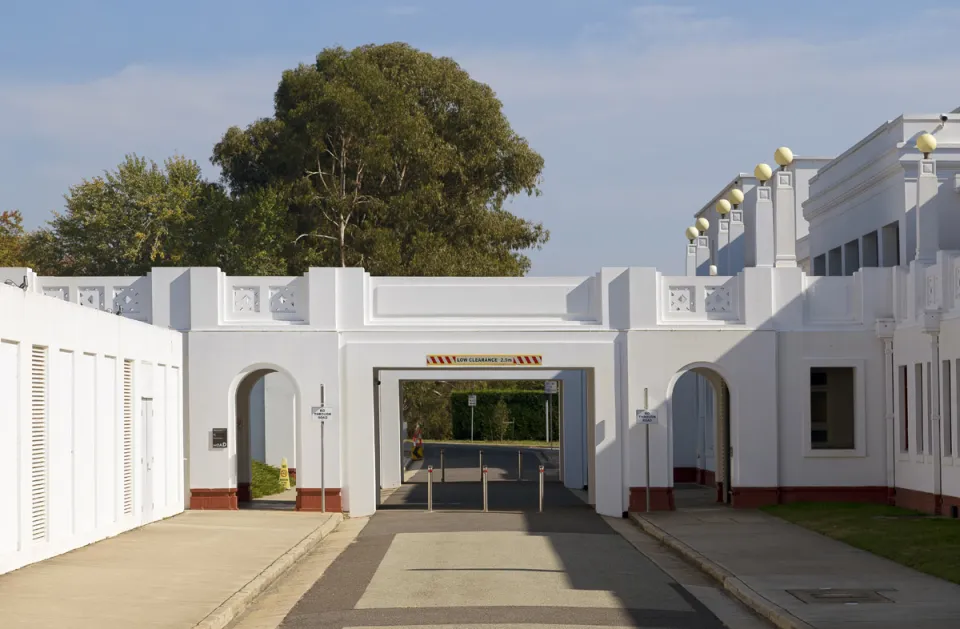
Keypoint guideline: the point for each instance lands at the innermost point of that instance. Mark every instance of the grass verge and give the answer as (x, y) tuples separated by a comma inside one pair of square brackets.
[(266, 480), (926, 543)]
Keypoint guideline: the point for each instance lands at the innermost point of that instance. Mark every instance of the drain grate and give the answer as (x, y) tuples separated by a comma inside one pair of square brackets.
[(839, 596)]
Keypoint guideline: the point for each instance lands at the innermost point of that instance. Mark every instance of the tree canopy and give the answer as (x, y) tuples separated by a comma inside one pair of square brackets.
[(12, 239), (383, 157), (393, 160)]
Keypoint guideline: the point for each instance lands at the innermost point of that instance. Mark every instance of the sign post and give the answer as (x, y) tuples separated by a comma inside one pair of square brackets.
[(471, 402), (322, 414), (549, 388), (647, 418)]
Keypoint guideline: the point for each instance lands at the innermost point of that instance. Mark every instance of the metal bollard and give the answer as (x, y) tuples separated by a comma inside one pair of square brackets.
[(541, 489), (443, 469), (484, 473), (519, 466), (429, 488)]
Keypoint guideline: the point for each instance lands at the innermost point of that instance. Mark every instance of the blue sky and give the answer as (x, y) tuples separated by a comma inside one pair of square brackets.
[(641, 110)]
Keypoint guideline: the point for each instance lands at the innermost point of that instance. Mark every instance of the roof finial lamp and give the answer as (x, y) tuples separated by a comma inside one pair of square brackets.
[(926, 144), (783, 157), (763, 172)]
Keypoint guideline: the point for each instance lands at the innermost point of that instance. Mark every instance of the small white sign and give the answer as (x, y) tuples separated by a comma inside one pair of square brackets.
[(321, 413), (550, 386), (646, 417), (471, 400)]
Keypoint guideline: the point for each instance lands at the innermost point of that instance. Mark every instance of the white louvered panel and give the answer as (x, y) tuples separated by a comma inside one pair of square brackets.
[(128, 437), (38, 442)]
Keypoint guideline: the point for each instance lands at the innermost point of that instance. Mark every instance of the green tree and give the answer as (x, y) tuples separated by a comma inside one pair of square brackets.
[(124, 222), (142, 215), (497, 422), (393, 160), (12, 239)]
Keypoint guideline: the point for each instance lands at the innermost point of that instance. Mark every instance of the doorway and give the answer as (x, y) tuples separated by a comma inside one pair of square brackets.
[(701, 439), (516, 427)]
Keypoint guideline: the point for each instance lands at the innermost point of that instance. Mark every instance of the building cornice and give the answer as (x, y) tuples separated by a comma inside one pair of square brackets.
[(906, 154)]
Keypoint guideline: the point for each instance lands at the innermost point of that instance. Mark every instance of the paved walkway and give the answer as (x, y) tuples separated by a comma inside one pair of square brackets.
[(802, 578), (510, 567), (200, 566)]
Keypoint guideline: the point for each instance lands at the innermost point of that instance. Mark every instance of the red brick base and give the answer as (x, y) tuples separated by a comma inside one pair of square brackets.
[(693, 475), (310, 499), (661, 499), (876, 495), (918, 500), (706, 477), (214, 499)]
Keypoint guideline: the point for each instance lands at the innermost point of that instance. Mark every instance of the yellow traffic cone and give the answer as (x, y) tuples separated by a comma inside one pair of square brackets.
[(284, 473)]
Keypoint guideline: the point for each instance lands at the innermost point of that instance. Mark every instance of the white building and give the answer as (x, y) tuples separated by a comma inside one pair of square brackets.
[(820, 361)]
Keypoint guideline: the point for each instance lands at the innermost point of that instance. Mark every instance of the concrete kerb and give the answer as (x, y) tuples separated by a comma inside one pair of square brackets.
[(744, 593), (233, 607)]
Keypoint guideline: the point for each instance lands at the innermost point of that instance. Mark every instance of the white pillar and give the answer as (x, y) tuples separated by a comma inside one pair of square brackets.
[(763, 240), (703, 255), (736, 249), (885, 331), (691, 266), (935, 432), (723, 246), (928, 225), (785, 220)]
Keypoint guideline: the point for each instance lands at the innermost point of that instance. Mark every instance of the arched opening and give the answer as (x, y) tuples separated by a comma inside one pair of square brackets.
[(265, 406), (701, 450)]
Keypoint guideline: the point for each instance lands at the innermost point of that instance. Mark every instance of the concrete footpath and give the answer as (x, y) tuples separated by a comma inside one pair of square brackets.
[(798, 578), (197, 569)]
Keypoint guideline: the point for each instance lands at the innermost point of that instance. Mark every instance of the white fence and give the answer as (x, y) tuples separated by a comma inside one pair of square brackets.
[(91, 425)]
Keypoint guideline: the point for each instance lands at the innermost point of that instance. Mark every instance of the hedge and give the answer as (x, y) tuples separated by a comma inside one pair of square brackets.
[(526, 412)]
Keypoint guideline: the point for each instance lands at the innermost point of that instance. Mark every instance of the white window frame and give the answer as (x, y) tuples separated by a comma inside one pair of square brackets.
[(859, 409)]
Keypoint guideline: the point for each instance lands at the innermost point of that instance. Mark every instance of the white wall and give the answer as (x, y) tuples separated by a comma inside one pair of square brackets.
[(803, 466), (72, 491)]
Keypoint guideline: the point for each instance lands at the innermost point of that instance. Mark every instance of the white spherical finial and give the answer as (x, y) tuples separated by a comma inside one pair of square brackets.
[(723, 207), (692, 233), (926, 144), (702, 224), (783, 156), (763, 172), (736, 196), (713, 269)]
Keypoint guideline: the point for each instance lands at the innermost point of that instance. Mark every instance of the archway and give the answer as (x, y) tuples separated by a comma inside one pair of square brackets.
[(700, 428), (265, 403)]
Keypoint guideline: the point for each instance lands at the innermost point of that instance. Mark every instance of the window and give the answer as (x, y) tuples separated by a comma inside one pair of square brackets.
[(820, 265), (918, 404), (851, 257), (904, 410), (832, 408), (871, 249), (947, 410), (835, 262)]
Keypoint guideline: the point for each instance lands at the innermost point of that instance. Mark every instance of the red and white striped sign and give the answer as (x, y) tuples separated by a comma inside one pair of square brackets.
[(485, 360)]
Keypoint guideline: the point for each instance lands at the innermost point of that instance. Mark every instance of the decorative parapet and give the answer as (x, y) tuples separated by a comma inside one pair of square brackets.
[(265, 300), (699, 300), (203, 298), (126, 296)]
